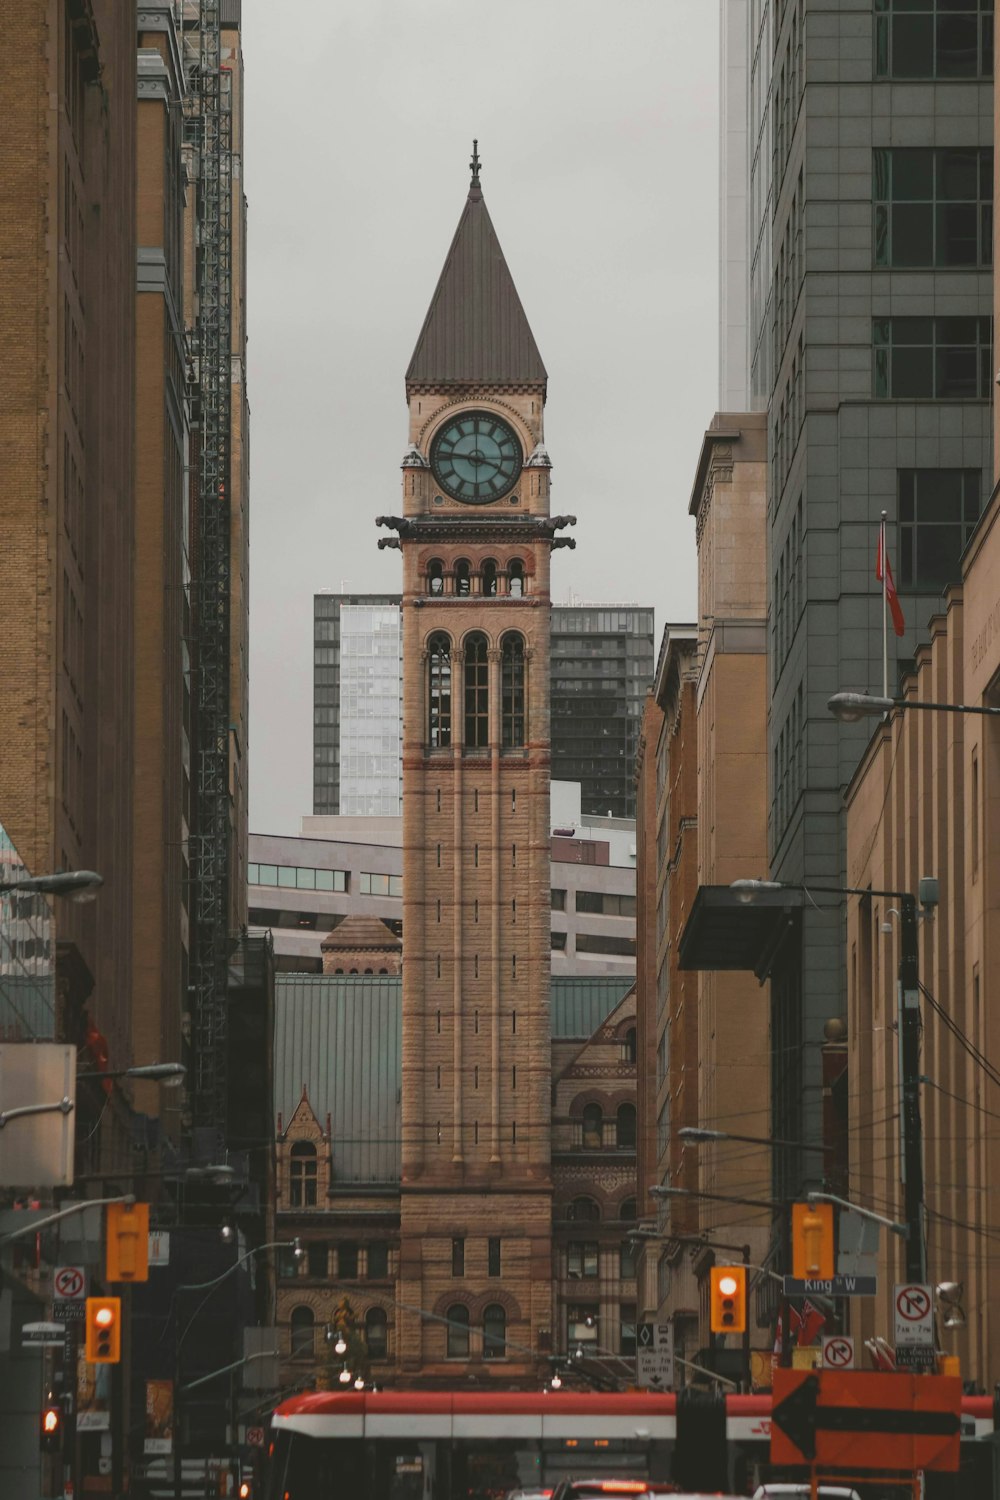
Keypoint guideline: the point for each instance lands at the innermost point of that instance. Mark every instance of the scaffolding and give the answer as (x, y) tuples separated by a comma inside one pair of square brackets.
[(209, 129)]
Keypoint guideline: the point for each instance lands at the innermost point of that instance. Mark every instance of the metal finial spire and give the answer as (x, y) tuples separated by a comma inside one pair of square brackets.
[(475, 164)]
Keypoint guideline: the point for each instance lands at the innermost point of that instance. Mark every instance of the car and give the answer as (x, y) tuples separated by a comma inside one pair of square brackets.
[(605, 1485), (783, 1491), (528, 1495)]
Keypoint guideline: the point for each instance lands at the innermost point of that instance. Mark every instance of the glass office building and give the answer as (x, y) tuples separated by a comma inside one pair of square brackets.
[(602, 668)]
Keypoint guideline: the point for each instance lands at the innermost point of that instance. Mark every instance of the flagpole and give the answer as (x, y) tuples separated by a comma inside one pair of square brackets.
[(885, 610)]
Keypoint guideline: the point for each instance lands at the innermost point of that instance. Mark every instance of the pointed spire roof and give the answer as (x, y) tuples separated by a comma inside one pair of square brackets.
[(475, 331)]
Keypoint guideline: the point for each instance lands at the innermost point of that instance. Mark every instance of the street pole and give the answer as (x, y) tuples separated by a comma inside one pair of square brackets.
[(910, 1122), (747, 1361)]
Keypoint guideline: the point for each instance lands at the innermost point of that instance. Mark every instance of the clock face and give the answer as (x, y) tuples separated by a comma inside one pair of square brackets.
[(476, 458)]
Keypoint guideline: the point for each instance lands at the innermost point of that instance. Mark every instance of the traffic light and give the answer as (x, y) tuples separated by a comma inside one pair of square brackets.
[(50, 1432), (104, 1330), (127, 1234), (728, 1313), (246, 1490), (812, 1241)]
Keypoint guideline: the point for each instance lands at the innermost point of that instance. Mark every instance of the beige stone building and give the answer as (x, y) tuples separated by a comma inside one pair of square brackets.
[(704, 1025), (925, 801)]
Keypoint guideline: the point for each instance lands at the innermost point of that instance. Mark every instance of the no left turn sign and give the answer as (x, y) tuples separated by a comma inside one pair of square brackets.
[(69, 1283)]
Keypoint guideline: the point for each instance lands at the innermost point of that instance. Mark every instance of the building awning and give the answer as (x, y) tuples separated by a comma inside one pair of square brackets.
[(727, 929)]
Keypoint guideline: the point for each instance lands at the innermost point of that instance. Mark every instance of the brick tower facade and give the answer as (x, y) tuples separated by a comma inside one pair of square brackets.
[(476, 538)]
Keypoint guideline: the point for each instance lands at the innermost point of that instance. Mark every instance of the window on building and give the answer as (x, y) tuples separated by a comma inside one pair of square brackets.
[(373, 884), (558, 942), (493, 1256), (347, 1261), (495, 1332), (488, 575), (302, 1170), (581, 1258), (627, 1213), (581, 1324), (933, 207), (605, 903), (626, 1327), (629, 1046), (458, 1257), (439, 691), (317, 1257), (303, 1327), (377, 1333), (593, 1127), (477, 690), (463, 576), (458, 1331), (288, 1264), (626, 1261), (515, 578), (938, 511), (933, 38), (625, 1132), (591, 942), (584, 1211), (558, 900), (946, 358), (378, 1260), (435, 576), (512, 690)]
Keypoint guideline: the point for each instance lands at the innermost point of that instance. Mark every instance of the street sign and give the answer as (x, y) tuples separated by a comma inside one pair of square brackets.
[(69, 1284), (916, 1357), (833, 1286), (838, 1352), (913, 1315), (69, 1312), (655, 1355), (861, 1420), (255, 1437), (43, 1335), (159, 1247)]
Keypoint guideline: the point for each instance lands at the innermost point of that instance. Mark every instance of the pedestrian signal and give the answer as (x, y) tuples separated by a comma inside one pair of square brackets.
[(812, 1241), (51, 1427), (728, 1311), (104, 1330)]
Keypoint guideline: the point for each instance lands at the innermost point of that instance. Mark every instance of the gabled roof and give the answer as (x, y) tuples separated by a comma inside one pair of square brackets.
[(475, 331), (358, 932)]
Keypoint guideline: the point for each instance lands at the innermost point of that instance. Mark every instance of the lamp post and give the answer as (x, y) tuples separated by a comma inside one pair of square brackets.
[(79, 885), (909, 1034), (850, 707)]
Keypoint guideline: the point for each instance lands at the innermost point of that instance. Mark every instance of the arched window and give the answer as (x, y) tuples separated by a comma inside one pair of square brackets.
[(626, 1127), (584, 1211), (435, 576), (463, 576), (494, 1332), (303, 1333), (489, 575), (477, 691), (627, 1212), (593, 1127), (302, 1175), (512, 691), (439, 690), (377, 1333), (515, 578), (458, 1331), (629, 1046)]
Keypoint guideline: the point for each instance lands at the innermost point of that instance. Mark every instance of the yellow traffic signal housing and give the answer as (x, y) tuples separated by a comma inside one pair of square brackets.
[(812, 1241), (728, 1310), (127, 1233), (104, 1330)]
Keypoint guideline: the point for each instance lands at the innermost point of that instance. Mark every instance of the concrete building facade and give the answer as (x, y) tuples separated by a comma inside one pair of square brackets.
[(926, 801), (357, 705), (703, 1031)]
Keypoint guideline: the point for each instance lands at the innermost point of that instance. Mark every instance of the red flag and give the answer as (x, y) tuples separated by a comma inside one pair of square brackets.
[(811, 1322), (883, 565)]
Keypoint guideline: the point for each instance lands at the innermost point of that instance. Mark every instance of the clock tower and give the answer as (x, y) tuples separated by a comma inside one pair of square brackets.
[(475, 1280)]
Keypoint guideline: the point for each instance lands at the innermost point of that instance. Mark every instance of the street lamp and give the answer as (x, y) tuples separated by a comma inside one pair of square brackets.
[(170, 1073), (903, 1230), (79, 885), (700, 1133), (909, 1037), (850, 707)]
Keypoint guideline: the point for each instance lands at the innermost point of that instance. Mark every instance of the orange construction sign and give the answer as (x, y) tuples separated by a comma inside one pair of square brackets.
[(865, 1420)]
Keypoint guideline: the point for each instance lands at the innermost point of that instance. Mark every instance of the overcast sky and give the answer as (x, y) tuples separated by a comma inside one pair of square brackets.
[(598, 134)]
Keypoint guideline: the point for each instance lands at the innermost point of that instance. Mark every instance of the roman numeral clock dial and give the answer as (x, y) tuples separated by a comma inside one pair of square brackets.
[(476, 458)]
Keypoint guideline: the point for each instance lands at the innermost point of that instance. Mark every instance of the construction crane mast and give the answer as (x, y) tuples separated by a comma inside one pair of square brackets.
[(210, 129)]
